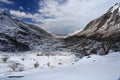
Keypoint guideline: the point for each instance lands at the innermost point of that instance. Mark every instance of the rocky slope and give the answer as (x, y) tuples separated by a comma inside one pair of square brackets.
[(16, 35), (100, 36), (105, 27)]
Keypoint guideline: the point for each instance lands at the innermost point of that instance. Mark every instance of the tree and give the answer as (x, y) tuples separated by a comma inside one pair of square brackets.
[(5, 58), (106, 46), (36, 65)]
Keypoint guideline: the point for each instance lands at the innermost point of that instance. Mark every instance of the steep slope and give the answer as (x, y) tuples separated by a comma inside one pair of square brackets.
[(16, 35), (105, 27), (100, 36)]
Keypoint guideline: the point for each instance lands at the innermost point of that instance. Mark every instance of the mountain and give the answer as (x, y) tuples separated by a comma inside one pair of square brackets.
[(100, 36), (16, 35), (105, 27)]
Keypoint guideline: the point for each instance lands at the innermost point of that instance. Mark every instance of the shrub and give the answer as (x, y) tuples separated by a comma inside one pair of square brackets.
[(88, 56), (60, 63), (48, 64), (36, 65), (22, 59), (39, 54), (5, 58), (17, 67), (106, 46)]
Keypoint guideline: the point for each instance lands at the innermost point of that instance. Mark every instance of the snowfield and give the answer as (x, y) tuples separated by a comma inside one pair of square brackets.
[(60, 67)]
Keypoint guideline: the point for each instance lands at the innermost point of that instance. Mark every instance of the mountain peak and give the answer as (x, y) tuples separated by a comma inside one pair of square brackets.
[(115, 7), (105, 27)]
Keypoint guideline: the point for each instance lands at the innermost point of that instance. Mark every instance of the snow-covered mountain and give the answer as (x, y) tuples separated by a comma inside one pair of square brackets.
[(105, 27), (100, 36), (16, 35)]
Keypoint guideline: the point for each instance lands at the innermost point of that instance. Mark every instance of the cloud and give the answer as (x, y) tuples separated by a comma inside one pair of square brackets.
[(28, 8), (49, 8), (35, 17), (65, 16), (7, 1), (72, 14), (21, 8)]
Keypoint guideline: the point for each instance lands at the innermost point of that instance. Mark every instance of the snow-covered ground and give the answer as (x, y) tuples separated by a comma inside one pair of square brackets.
[(62, 67)]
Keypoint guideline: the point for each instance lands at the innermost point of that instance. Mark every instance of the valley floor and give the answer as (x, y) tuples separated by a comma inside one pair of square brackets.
[(62, 67)]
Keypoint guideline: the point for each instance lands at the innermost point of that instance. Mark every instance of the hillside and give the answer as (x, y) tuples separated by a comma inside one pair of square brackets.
[(16, 35), (100, 36)]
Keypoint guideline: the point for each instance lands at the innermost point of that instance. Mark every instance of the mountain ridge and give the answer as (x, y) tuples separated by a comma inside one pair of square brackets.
[(16, 35), (100, 36), (106, 26)]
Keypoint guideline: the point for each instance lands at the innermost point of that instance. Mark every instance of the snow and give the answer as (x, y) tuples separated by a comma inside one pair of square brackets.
[(93, 67), (115, 7), (32, 36)]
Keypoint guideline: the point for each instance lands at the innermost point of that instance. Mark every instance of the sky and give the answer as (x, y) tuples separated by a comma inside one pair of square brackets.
[(57, 16)]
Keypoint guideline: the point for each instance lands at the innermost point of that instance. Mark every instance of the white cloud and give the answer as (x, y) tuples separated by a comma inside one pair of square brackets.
[(67, 17), (72, 15), (35, 17), (7, 1), (28, 8), (50, 8), (21, 8)]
